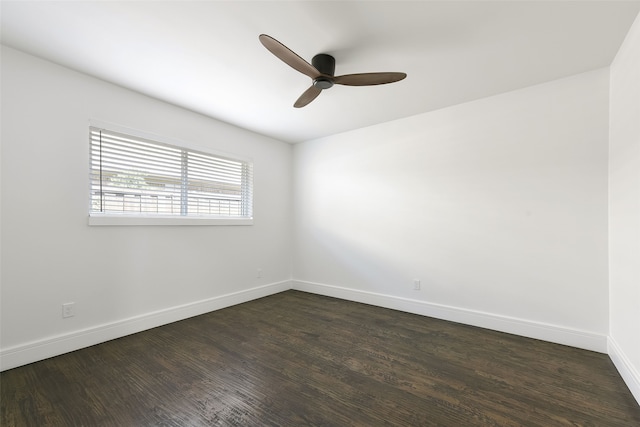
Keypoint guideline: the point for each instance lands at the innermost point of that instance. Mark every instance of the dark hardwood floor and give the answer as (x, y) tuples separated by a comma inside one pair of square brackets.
[(297, 359)]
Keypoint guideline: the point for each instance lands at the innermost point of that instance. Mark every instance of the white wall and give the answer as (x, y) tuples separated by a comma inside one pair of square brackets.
[(122, 279), (498, 206), (624, 210)]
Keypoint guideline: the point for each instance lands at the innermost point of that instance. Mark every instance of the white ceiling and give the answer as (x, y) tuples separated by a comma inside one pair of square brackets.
[(205, 55)]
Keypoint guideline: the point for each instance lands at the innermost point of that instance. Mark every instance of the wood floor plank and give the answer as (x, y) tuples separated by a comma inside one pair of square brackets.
[(298, 359)]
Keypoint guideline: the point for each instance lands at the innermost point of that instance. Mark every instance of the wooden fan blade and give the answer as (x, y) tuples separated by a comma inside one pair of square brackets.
[(308, 96), (289, 57), (368, 79)]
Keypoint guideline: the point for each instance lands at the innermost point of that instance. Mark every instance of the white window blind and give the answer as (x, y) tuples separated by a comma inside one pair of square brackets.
[(136, 176)]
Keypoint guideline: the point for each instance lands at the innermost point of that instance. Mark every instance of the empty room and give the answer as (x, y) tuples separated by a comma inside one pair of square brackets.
[(336, 213)]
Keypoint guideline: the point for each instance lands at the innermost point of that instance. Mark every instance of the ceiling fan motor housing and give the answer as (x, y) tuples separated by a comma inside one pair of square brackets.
[(326, 64)]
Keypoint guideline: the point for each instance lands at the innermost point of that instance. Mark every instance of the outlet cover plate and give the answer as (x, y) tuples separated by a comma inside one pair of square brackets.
[(68, 310)]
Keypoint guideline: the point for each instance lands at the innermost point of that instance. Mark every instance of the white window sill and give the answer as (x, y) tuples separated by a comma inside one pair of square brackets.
[(100, 220)]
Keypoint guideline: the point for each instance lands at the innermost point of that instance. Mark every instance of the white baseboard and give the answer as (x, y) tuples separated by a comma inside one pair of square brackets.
[(542, 331), (628, 373), (42, 349)]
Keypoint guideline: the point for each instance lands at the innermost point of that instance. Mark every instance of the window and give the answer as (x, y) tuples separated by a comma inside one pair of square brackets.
[(135, 177)]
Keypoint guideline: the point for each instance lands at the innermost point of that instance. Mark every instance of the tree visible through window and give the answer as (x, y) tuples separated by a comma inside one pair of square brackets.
[(136, 176)]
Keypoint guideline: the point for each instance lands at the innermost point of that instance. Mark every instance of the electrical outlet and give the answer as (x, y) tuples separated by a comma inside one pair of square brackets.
[(68, 309), (416, 284), (259, 274)]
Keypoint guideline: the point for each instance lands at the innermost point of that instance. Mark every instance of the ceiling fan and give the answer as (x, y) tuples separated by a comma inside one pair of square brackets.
[(321, 72)]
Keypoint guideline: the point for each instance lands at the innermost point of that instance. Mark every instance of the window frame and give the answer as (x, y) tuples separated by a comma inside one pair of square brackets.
[(140, 219)]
